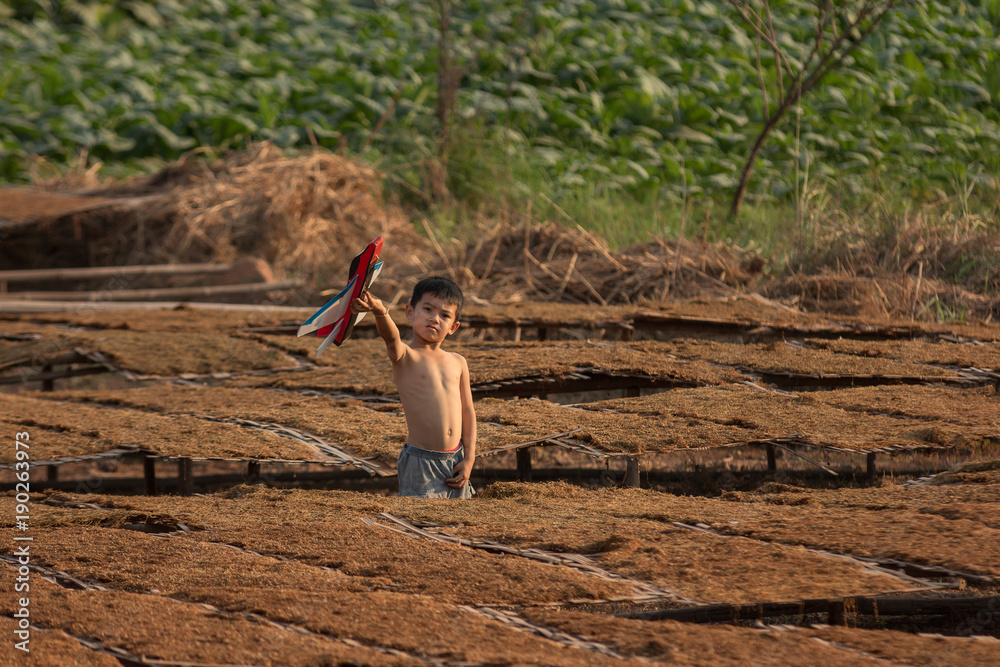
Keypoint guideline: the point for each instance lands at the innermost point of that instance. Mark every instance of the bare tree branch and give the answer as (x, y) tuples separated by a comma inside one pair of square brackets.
[(832, 44)]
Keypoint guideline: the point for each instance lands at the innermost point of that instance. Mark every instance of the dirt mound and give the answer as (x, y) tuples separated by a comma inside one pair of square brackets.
[(305, 215)]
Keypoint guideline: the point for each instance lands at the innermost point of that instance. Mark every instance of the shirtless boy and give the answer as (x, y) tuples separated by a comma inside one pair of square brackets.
[(433, 385)]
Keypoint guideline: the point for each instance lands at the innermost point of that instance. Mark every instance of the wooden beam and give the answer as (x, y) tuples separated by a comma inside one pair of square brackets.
[(870, 465), (20, 306), (833, 607), (149, 472), (253, 472), (185, 479), (83, 273), (632, 472), (524, 464), (772, 457), (54, 375), (150, 294), (835, 612)]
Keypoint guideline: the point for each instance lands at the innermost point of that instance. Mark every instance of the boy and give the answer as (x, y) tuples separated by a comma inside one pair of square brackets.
[(433, 386)]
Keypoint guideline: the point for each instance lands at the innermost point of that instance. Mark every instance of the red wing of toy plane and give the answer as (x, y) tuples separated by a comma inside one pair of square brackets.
[(335, 320)]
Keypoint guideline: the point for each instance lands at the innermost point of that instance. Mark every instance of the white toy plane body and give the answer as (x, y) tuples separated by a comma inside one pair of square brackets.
[(334, 320)]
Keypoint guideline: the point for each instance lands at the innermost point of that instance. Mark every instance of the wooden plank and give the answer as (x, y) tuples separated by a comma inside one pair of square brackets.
[(151, 294), (54, 375), (149, 473), (185, 476), (524, 464), (772, 457), (833, 607), (632, 472), (45, 306), (83, 273)]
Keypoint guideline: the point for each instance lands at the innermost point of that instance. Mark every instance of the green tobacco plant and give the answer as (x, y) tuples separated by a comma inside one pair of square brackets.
[(651, 102)]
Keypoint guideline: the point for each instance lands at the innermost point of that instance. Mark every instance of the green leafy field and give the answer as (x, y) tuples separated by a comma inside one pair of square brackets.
[(586, 98)]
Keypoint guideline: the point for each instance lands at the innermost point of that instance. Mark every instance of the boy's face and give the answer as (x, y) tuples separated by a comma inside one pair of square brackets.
[(433, 318)]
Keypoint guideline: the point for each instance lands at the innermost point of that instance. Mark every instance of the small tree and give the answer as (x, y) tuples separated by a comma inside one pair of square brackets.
[(840, 28), (448, 79)]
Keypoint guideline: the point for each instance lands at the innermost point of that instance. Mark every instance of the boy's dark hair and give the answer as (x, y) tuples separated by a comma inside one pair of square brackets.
[(442, 288)]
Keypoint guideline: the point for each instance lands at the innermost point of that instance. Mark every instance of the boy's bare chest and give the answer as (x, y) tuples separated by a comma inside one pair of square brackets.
[(422, 372)]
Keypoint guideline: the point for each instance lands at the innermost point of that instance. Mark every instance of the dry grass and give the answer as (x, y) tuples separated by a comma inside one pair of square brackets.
[(750, 309), (899, 264), (969, 407), (165, 629), (498, 361), (179, 319), (360, 366), (910, 648), (627, 529), (148, 352), (367, 432), (550, 262), (917, 351), (66, 429), (320, 600), (685, 644), (304, 215), (763, 414), (664, 422), (784, 357), (689, 644), (48, 647), (613, 432), (383, 559)]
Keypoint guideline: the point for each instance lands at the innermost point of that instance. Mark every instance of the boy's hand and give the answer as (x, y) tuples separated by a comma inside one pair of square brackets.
[(368, 304), (462, 473)]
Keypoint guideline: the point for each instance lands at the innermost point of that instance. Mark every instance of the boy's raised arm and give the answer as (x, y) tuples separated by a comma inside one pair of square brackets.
[(395, 348)]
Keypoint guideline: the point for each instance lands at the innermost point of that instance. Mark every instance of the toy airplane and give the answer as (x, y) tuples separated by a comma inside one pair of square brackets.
[(335, 320)]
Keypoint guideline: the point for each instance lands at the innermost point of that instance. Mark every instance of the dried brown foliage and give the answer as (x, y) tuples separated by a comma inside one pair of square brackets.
[(551, 262)]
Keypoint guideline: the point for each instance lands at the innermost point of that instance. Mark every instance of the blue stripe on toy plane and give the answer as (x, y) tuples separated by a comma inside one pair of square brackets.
[(329, 313)]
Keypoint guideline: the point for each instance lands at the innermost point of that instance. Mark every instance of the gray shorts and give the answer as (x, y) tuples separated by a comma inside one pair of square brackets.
[(422, 473)]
